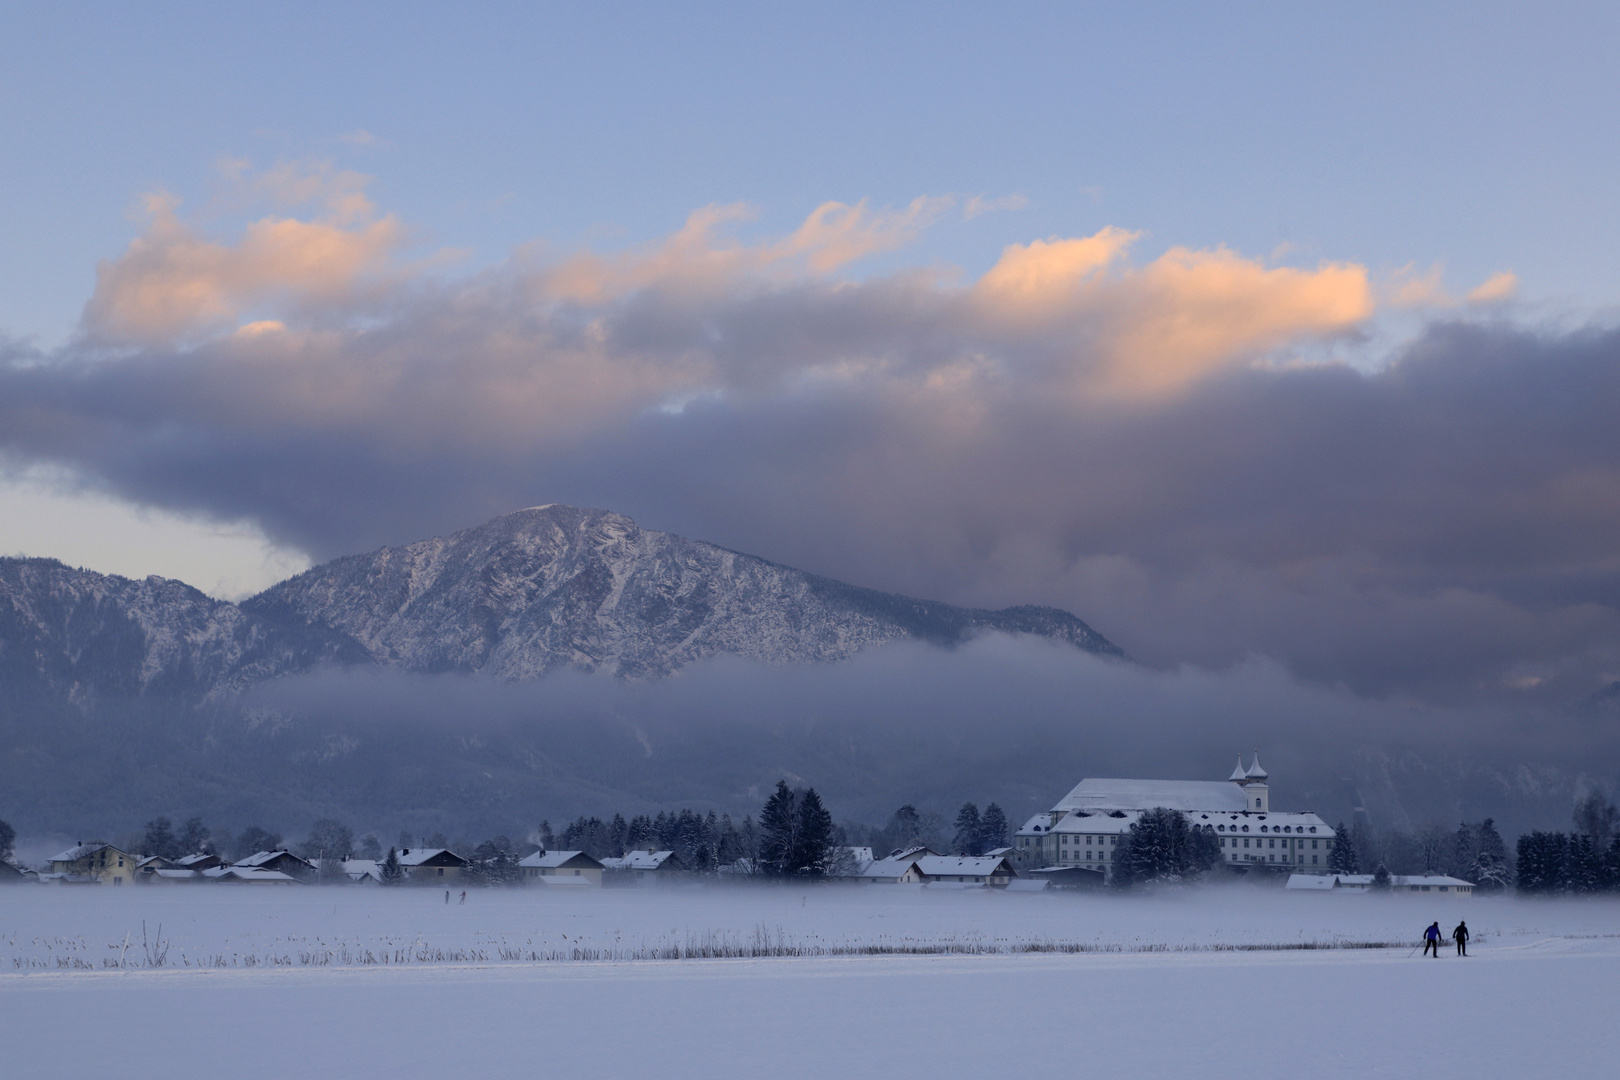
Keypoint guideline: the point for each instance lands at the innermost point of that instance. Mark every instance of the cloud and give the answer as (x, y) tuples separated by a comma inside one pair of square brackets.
[(1155, 441), (172, 283), (1495, 289), (985, 204)]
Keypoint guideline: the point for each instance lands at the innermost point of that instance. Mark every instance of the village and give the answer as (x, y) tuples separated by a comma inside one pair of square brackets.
[(1103, 832)]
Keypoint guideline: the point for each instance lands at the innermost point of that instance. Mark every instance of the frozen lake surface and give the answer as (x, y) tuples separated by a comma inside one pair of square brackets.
[(1206, 982)]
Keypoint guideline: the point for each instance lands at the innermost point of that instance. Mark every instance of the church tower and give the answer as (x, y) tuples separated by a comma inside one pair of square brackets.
[(1256, 791)]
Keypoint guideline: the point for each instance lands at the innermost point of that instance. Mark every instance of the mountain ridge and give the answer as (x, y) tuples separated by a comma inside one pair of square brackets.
[(515, 597)]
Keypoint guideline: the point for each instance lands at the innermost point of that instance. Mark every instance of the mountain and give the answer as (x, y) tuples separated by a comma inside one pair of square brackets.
[(514, 598), (555, 586)]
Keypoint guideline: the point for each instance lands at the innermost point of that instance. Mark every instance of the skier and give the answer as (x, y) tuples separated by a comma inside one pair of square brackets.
[(1460, 936), (463, 896), (1431, 939), (447, 896)]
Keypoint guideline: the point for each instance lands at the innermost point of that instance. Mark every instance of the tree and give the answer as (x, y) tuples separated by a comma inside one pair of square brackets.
[(1203, 849), (253, 840), (814, 842), (493, 863), (906, 827), (1342, 853), (392, 873), (968, 826), (1380, 879), (371, 847), (1157, 848), (1490, 872), (779, 828), (8, 841), (160, 839), (1596, 816), (194, 838), (329, 839), (1540, 862), (548, 841), (1433, 843), (992, 829)]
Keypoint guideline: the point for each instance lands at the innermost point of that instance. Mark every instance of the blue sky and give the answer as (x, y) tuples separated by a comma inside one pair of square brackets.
[(1261, 330)]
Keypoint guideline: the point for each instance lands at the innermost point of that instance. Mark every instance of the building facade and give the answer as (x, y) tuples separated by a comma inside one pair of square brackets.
[(1087, 826)]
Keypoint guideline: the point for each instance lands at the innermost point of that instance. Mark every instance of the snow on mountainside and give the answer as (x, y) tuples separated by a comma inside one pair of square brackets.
[(557, 586), (516, 597), (83, 635)]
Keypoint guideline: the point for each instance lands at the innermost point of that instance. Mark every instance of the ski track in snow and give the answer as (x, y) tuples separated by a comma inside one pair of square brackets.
[(1535, 999)]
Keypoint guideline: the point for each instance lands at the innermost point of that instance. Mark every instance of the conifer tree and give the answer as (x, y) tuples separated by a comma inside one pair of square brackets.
[(8, 839), (1342, 853), (992, 829), (392, 872), (1491, 872), (814, 842), (778, 829), (968, 826), (1381, 879)]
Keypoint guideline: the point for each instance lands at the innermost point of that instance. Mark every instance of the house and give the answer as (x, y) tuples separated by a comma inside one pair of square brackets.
[(167, 876), (899, 869), (431, 866), (1360, 883), (249, 875), (551, 867), (363, 871), (1066, 877), (1087, 826), (643, 868), (281, 860), (200, 861), (988, 870), (11, 874), (1430, 883), (94, 862)]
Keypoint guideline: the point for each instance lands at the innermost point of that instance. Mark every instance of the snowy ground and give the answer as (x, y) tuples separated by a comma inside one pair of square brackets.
[(1208, 983)]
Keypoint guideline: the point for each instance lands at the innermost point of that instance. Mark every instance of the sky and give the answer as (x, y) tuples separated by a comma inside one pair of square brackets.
[(1281, 334)]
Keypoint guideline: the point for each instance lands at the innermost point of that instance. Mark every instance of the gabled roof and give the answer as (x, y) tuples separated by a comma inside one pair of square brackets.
[(79, 851), (891, 869), (361, 870), (259, 858), (643, 860), (249, 874), (1401, 881), (424, 856), (189, 862), (556, 860), (959, 865), (1120, 794)]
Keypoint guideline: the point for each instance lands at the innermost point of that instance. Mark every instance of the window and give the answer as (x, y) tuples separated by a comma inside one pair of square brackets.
[(441, 871), (1245, 841), (1313, 860), (1313, 845)]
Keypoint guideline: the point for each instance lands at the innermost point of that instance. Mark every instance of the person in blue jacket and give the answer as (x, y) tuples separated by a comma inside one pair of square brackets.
[(1431, 940)]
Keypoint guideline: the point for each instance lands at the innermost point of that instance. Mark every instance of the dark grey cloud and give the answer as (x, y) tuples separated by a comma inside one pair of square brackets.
[(1443, 527)]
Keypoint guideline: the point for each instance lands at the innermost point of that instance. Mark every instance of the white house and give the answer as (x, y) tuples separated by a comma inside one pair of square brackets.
[(556, 867), (1087, 825), (987, 870), (894, 870), (1432, 883)]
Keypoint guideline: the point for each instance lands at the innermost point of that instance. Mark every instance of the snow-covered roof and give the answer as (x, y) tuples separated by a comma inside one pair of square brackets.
[(1120, 821), (188, 861), (79, 851), (175, 875), (1255, 771), (1118, 794), (1238, 774), (1027, 884), (891, 869), (1312, 881), (360, 870), (554, 860), (259, 858), (1403, 881), (960, 865), (861, 856), (1040, 823), (639, 860), (249, 874)]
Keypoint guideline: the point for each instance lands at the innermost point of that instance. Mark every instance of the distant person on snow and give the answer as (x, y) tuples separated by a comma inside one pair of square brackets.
[(1460, 936), (1431, 940), (463, 896), (447, 896)]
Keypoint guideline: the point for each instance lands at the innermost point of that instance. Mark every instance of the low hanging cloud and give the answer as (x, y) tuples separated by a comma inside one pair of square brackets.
[(1157, 443)]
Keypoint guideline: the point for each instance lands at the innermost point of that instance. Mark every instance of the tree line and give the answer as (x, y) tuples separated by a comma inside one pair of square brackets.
[(1586, 860)]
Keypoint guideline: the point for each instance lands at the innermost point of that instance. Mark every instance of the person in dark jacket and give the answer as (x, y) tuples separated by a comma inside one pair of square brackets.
[(1431, 939), (1460, 936)]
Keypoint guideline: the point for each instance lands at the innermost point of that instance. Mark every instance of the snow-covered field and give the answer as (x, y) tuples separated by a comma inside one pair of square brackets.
[(835, 982)]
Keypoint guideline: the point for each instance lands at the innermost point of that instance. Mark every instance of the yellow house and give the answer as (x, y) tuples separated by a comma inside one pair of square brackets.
[(95, 862)]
